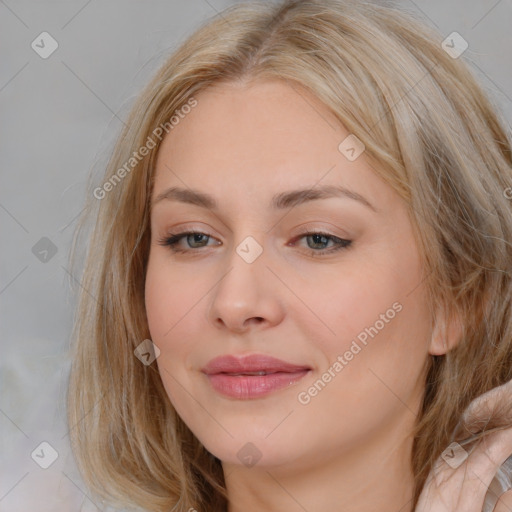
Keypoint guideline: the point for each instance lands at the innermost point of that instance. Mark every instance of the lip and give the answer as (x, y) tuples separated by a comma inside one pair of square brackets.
[(226, 375)]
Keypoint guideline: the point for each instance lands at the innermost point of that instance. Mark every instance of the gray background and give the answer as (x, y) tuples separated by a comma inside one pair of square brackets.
[(60, 116)]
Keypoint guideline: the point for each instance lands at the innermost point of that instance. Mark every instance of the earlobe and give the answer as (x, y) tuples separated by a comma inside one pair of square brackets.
[(446, 335)]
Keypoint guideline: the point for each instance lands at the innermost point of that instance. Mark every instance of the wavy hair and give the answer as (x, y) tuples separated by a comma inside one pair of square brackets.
[(429, 130)]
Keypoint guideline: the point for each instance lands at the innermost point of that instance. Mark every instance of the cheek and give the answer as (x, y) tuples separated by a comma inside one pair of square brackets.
[(166, 312), (168, 299), (160, 304), (373, 369), (173, 304), (164, 308), (378, 321)]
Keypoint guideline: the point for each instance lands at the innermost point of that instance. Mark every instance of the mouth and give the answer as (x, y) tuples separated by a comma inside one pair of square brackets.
[(252, 376)]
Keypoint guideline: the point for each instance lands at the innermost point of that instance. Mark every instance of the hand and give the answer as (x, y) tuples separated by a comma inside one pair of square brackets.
[(463, 489)]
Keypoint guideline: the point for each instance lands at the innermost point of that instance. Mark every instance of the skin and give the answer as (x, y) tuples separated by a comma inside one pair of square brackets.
[(464, 488), (349, 448)]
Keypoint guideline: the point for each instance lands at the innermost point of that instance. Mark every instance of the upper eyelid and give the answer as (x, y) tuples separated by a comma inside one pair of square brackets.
[(306, 227), (304, 232)]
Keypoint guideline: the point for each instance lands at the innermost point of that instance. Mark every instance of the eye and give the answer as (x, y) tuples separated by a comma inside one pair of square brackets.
[(320, 239), (198, 240), (193, 237)]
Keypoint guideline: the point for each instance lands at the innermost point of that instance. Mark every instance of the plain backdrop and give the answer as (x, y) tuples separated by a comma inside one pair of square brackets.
[(59, 118)]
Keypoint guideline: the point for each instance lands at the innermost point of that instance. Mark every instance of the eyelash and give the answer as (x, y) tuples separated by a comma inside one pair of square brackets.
[(172, 240)]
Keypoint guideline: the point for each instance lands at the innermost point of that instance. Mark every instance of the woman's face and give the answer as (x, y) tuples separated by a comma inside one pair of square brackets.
[(344, 309)]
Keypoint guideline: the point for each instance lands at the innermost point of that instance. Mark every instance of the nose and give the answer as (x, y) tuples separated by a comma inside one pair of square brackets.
[(248, 295)]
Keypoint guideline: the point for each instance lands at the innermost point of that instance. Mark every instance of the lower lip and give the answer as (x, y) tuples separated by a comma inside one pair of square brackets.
[(245, 387)]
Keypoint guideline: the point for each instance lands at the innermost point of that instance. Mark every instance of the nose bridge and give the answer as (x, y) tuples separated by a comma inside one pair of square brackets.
[(245, 274), (245, 292)]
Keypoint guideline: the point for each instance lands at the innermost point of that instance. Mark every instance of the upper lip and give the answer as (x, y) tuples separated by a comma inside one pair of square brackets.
[(251, 363)]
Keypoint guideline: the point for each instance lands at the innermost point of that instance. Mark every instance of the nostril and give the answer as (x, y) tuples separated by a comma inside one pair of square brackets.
[(255, 319)]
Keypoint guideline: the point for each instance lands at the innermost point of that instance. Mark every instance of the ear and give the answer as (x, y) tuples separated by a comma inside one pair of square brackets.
[(447, 332)]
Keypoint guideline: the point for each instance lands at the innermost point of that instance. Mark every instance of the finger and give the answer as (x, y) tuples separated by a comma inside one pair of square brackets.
[(482, 465), (464, 488), (490, 454), (480, 406), (504, 504)]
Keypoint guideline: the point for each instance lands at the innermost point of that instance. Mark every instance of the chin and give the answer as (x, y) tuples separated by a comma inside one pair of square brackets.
[(248, 449)]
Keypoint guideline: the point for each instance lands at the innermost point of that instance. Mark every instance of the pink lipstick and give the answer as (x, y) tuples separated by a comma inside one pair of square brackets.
[(251, 376)]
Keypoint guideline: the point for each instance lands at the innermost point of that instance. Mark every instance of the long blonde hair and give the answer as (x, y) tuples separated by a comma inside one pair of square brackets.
[(432, 134)]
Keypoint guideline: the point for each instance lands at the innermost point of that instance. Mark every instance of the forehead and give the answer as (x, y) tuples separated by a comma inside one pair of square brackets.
[(254, 126), (258, 139)]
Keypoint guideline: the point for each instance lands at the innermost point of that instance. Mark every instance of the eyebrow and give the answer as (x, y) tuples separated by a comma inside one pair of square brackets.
[(279, 201)]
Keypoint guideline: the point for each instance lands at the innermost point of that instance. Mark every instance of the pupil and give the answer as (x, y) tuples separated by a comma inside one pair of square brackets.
[(316, 237), (197, 237)]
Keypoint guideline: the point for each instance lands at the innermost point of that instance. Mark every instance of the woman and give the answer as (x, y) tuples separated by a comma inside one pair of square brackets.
[(226, 359)]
